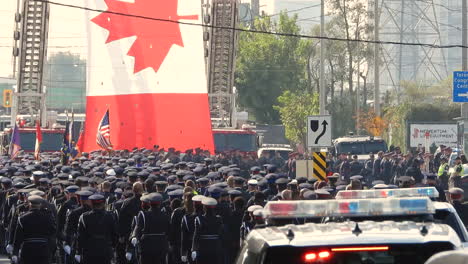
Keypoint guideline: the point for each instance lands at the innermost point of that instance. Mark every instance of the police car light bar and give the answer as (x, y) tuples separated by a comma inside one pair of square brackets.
[(385, 193), (349, 208)]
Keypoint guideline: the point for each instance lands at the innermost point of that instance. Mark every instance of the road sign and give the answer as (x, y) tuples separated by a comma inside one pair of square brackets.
[(320, 165), (319, 131), (460, 86)]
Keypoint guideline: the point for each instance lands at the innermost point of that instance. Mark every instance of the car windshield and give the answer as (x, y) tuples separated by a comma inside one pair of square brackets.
[(360, 148), (231, 141)]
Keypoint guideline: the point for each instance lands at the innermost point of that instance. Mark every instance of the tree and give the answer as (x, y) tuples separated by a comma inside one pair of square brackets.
[(294, 108), (267, 65), (373, 124)]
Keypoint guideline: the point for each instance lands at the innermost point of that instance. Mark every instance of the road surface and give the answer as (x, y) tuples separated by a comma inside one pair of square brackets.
[(4, 260)]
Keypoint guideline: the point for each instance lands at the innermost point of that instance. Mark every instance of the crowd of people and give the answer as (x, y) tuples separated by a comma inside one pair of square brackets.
[(156, 206)]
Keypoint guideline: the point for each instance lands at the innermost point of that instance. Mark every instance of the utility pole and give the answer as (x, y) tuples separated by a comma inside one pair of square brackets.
[(376, 59), (322, 94), (464, 106)]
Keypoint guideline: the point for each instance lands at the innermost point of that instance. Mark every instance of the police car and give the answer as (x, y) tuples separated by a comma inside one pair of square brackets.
[(443, 212), (348, 242)]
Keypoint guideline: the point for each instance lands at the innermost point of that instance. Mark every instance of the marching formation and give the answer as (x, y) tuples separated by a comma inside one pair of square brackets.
[(152, 206)]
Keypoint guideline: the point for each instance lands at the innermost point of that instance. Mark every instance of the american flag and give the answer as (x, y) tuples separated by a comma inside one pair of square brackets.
[(103, 133)]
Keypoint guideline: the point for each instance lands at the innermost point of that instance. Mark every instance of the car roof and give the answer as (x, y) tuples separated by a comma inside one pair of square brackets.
[(444, 206), (352, 139), (335, 234)]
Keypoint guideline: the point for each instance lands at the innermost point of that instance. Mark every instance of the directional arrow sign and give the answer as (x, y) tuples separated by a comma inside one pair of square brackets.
[(319, 131)]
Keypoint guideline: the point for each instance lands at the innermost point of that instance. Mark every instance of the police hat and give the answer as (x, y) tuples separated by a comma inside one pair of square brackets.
[(72, 189), (197, 198), (6, 180), (19, 185), (84, 194), (271, 178), (155, 198), (234, 193), (281, 181), (309, 195), (176, 193), (238, 180), (253, 208), (356, 178), (110, 172), (37, 192), (456, 191), (97, 198), (44, 181), (305, 185), (38, 173), (209, 202), (380, 186), (35, 199), (252, 182), (215, 191)]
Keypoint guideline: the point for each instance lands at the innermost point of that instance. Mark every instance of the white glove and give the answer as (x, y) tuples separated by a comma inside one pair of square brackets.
[(14, 259), (194, 255), (67, 249), (183, 258), (78, 258), (134, 241), (128, 256), (9, 249)]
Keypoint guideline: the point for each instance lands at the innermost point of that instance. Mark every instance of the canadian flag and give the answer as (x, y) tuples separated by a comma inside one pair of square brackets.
[(146, 65)]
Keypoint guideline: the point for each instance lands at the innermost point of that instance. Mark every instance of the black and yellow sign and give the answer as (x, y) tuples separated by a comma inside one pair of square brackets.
[(320, 164), (7, 97)]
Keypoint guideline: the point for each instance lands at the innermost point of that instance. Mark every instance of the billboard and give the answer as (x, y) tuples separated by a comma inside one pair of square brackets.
[(426, 134)]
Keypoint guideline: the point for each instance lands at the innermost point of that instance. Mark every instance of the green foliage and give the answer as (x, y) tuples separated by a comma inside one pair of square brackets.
[(419, 103), (267, 65), (294, 108)]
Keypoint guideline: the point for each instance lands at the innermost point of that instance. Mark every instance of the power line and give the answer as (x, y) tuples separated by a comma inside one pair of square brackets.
[(256, 31)]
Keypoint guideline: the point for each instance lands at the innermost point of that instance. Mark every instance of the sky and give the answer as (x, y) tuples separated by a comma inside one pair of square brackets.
[(67, 32)]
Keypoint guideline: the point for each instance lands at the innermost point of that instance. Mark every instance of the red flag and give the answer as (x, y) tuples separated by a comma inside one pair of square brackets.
[(79, 145), (37, 149)]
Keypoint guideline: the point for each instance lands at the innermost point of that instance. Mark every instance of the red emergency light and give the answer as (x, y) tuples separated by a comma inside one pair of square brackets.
[(313, 256), (353, 249)]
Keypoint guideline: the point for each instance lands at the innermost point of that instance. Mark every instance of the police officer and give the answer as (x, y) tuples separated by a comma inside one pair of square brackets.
[(64, 209), (151, 232), (456, 196), (188, 227), (73, 217), (129, 210), (207, 238), (97, 234), (34, 234)]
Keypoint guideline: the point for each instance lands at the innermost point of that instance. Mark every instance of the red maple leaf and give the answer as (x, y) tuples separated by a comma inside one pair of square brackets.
[(154, 37)]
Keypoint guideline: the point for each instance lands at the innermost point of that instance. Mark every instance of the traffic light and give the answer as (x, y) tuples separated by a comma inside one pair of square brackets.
[(7, 98)]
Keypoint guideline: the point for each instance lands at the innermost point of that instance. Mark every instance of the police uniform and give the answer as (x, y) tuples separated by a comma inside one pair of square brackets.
[(34, 234), (207, 238), (188, 228), (152, 231), (456, 195), (97, 234)]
